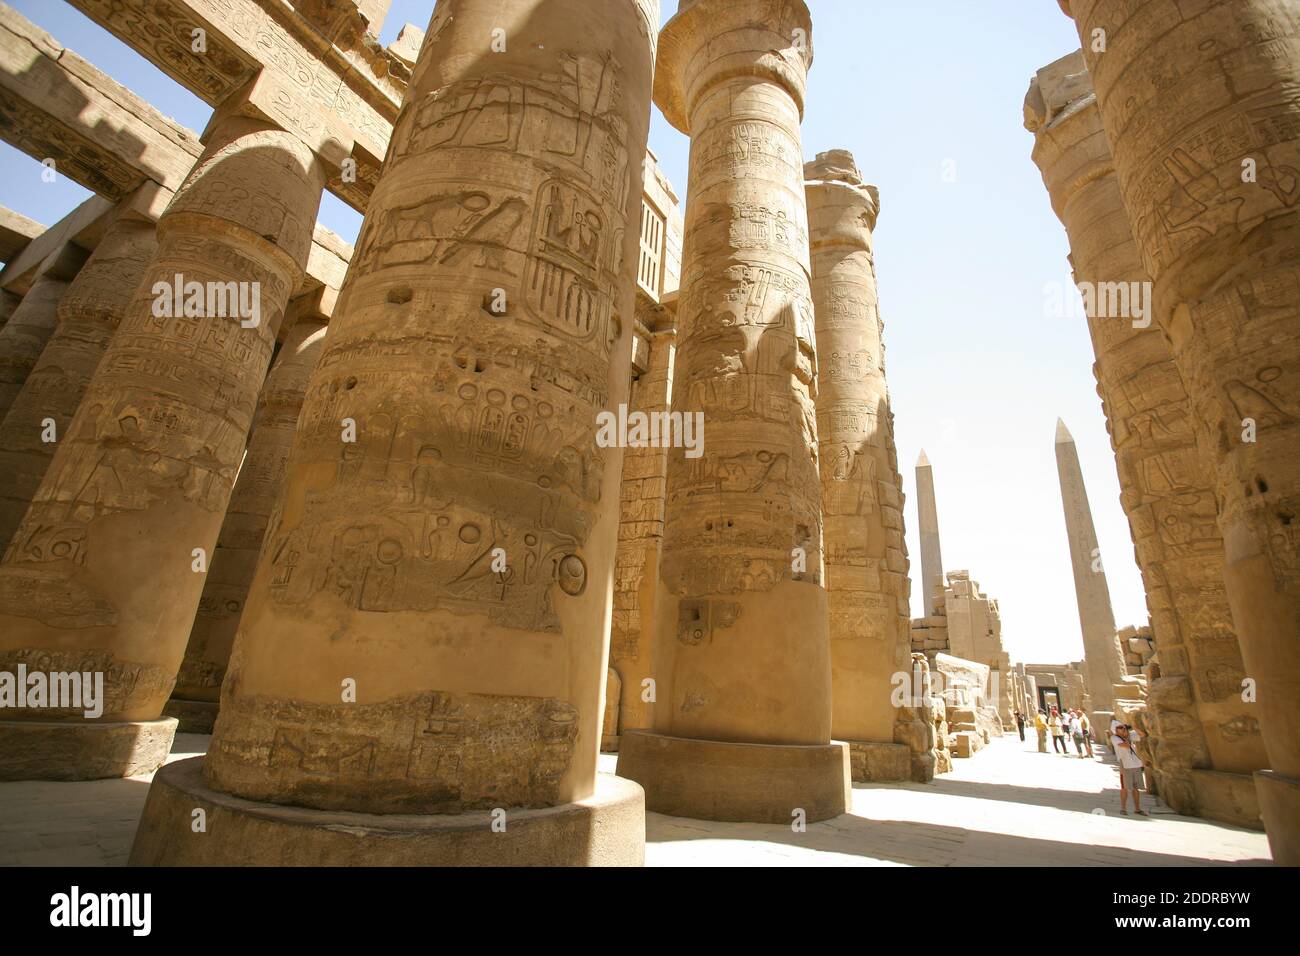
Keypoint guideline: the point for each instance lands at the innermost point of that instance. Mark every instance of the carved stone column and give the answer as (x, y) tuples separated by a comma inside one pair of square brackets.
[(107, 567), (261, 477), (641, 530), (742, 666), (88, 315), (33, 321), (866, 557), (1202, 723), (1200, 111), (426, 632)]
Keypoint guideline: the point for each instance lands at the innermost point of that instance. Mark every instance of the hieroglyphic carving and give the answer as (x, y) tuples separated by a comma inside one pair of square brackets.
[(1166, 491), (470, 357), (456, 752), (867, 591)]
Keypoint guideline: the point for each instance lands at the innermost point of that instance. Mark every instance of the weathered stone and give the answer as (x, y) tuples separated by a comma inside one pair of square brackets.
[(1216, 218), (88, 313), (110, 554), (869, 626), (469, 529), (742, 613), (261, 477)]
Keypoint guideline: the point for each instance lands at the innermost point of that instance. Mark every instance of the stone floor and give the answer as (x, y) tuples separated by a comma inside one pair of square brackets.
[(1009, 805)]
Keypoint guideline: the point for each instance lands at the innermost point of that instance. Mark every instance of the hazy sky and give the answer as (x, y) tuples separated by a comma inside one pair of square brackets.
[(978, 368)]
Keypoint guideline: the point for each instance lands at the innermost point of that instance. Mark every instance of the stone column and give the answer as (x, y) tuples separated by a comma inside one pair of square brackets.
[(1209, 167), (426, 632), (9, 301), (1167, 493), (640, 532), (107, 567), (88, 315), (261, 477), (742, 668), (23, 337), (866, 557), (927, 512), (1096, 619)]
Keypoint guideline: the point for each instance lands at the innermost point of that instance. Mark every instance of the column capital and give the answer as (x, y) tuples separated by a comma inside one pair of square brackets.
[(842, 208), (771, 39)]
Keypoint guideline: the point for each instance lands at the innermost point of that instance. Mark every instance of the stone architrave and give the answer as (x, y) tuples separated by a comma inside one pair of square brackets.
[(927, 511), (33, 321), (198, 683), (1096, 619), (1200, 110), (89, 312), (426, 631), (1166, 491), (742, 659), (865, 554), (107, 567)]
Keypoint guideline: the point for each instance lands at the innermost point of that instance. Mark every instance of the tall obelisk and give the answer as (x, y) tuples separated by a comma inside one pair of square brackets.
[(1100, 645), (931, 558)]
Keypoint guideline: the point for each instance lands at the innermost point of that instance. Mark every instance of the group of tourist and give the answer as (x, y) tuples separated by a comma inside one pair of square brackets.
[(1074, 722)]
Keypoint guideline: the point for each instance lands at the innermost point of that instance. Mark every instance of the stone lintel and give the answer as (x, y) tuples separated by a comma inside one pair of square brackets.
[(83, 226), (16, 231), (350, 99), (101, 135)]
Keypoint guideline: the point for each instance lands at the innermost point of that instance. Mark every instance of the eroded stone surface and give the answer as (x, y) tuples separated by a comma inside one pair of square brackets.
[(1209, 168), (469, 529)]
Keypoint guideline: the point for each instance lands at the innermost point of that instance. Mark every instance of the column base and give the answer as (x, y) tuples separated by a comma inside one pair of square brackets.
[(195, 716), (1279, 805), (872, 761), (606, 829), (83, 750), (1226, 797), (737, 782)]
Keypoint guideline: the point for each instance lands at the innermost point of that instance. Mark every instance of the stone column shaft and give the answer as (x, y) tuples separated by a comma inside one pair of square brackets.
[(33, 321), (866, 557), (446, 535), (103, 575), (742, 650), (1166, 491), (89, 312), (256, 491), (640, 540), (1209, 167)]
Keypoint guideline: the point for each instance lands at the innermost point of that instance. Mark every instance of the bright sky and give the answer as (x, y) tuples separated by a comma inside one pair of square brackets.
[(978, 369)]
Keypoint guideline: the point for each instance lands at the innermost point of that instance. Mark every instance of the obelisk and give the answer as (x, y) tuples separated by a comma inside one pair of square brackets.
[(927, 510), (426, 632), (1200, 108), (866, 557), (1096, 619), (742, 717)]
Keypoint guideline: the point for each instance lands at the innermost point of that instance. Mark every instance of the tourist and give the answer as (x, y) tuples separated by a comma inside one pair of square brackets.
[(1124, 742), (1058, 732), (1020, 725), (1040, 724), (1087, 731), (1076, 731)]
